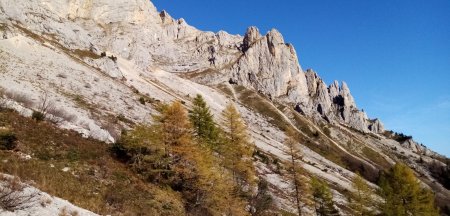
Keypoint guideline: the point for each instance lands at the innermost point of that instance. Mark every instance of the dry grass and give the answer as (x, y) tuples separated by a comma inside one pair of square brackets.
[(259, 104), (375, 157), (85, 54), (95, 181), (225, 89)]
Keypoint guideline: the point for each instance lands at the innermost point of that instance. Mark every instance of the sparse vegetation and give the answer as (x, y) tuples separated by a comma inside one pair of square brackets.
[(362, 200), (97, 181), (300, 183), (13, 195), (323, 198), (46, 105), (259, 104), (399, 137)]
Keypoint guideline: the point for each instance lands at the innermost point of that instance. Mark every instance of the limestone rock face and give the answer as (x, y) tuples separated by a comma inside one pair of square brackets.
[(336, 104), (251, 36), (104, 11), (136, 31), (269, 66), (376, 126)]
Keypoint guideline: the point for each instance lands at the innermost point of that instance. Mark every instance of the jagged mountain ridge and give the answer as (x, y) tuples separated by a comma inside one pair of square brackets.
[(267, 64), (159, 57)]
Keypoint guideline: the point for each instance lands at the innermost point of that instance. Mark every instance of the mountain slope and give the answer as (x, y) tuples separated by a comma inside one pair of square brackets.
[(97, 59)]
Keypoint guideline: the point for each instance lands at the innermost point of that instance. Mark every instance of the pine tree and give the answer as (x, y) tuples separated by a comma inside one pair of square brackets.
[(404, 195), (203, 122), (236, 148), (362, 197), (323, 199), (301, 190)]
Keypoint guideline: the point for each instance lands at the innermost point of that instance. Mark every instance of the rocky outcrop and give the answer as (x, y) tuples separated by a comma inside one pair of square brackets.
[(417, 148), (335, 104), (376, 126), (269, 66)]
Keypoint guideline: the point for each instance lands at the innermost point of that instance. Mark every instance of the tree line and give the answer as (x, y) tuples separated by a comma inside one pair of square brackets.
[(212, 169)]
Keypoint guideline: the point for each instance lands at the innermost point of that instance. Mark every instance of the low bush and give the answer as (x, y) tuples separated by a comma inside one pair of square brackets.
[(38, 116), (8, 140), (142, 100)]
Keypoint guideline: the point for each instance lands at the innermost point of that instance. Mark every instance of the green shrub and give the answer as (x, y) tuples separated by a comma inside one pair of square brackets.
[(38, 116), (8, 140)]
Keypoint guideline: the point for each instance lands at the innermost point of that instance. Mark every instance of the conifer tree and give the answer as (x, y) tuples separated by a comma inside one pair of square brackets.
[(236, 149), (362, 197), (301, 190), (323, 199), (404, 195), (144, 150), (203, 122)]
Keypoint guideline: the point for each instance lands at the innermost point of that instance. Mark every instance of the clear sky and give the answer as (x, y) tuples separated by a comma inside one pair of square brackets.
[(393, 54)]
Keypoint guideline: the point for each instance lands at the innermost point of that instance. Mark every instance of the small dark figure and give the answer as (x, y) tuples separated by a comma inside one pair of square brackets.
[(103, 54), (212, 61), (113, 58)]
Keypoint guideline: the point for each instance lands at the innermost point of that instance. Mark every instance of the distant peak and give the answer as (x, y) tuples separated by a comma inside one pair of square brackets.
[(250, 37), (275, 36)]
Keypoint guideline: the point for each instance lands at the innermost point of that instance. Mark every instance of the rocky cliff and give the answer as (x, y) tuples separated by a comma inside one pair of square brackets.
[(96, 59)]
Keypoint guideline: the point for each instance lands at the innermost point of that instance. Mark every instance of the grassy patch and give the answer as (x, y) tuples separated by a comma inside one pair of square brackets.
[(375, 157), (94, 180), (302, 125), (85, 54), (195, 74), (225, 89), (257, 103)]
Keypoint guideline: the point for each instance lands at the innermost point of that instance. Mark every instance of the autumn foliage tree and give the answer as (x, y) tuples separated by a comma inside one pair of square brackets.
[(167, 153), (300, 183), (236, 149), (362, 198), (404, 195)]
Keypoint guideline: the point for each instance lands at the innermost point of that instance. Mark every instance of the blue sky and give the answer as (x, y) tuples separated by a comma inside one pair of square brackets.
[(394, 54)]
